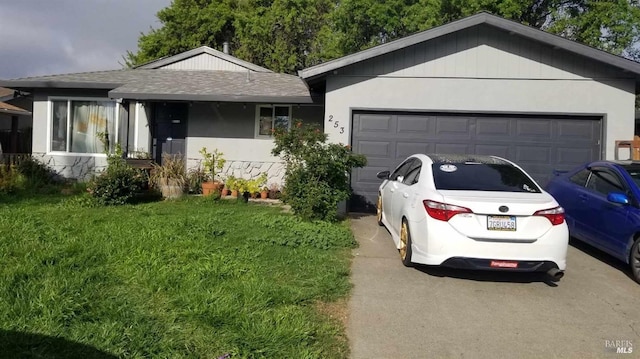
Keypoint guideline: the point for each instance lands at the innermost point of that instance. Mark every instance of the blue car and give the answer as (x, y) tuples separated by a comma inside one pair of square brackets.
[(602, 207)]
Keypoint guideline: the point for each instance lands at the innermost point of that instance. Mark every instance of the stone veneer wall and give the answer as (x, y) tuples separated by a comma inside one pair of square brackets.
[(81, 168), (249, 170)]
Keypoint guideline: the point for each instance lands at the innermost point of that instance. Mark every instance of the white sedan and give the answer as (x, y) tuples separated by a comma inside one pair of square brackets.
[(471, 211)]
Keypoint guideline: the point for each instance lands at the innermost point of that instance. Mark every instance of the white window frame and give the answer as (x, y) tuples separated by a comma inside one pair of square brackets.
[(272, 107), (70, 99)]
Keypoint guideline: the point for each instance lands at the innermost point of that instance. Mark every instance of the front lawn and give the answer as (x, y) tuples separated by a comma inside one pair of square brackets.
[(193, 278)]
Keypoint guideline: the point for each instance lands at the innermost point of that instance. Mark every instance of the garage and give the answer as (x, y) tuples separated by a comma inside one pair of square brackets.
[(539, 144), (479, 85)]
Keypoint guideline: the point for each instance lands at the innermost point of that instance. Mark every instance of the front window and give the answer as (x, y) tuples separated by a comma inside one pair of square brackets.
[(272, 117), (76, 125)]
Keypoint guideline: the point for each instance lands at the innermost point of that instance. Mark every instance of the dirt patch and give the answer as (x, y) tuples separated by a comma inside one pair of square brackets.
[(335, 310)]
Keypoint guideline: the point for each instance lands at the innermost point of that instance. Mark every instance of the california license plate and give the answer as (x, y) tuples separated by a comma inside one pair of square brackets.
[(501, 223)]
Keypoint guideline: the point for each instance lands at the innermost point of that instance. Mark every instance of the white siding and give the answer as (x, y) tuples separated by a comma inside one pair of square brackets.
[(481, 52), (204, 62)]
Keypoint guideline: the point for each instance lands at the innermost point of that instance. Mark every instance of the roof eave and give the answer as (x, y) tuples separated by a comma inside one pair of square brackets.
[(15, 112), (27, 84), (212, 97)]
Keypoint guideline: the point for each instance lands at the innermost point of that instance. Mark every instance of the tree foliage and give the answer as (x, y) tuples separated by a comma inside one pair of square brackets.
[(288, 35)]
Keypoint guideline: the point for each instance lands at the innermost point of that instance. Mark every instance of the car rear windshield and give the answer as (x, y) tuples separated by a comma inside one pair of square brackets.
[(475, 176)]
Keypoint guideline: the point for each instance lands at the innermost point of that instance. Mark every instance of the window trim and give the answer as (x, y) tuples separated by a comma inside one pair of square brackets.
[(256, 133), (69, 99)]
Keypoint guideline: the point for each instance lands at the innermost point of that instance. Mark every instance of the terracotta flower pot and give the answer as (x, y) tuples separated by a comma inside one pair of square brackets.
[(264, 195), (234, 193), (209, 188)]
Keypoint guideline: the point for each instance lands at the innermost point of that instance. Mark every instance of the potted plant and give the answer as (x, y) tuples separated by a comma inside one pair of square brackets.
[(264, 193), (170, 177), (212, 163), (274, 191), (242, 189), (230, 185), (254, 185)]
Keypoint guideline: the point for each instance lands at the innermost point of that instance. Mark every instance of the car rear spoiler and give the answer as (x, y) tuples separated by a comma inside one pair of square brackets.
[(559, 172)]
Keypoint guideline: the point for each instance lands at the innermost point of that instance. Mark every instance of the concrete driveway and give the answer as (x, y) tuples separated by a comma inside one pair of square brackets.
[(399, 312)]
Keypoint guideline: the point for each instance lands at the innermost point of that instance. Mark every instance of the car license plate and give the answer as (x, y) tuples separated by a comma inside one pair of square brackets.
[(503, 264), (501, 223)]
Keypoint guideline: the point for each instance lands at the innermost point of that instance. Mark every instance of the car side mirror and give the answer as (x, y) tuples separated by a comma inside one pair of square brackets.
[(619, 198), (383, 175)]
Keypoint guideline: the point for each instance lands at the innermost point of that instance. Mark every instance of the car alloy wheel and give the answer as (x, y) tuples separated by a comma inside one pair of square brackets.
[(634, 260), (379, 210), (405, 244)]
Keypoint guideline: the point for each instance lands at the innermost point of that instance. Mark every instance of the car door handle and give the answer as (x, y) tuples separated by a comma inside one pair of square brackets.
[(405, 195), (391, 190)]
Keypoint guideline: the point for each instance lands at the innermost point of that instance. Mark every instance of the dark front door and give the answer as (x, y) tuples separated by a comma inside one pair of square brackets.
[(170, 129)]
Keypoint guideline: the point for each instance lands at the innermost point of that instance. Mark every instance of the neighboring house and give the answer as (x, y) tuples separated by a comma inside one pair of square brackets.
[(481, 85), (179, 104), (15, 122)]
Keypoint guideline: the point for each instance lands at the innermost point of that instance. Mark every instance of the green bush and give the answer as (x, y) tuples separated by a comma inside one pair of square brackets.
[(37, 173), (118, 184), (11, 180), (317, 173)]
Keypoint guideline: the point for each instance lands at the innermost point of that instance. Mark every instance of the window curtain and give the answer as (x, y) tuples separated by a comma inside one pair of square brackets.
[(88, 119)]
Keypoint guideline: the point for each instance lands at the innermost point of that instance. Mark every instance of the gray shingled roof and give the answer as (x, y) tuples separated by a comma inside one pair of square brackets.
[(179, 85), (321, 70)]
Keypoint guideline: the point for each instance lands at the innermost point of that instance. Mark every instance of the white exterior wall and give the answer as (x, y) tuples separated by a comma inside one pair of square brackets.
[(482, 70), (204, 62)]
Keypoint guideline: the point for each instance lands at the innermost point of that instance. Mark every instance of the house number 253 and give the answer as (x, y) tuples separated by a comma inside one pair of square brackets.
[(336, 124)]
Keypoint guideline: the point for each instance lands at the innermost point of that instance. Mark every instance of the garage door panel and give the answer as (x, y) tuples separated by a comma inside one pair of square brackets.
[(538, 144), (446, 148), (404, 149), (533, 129), (374, 149), (571, 156), (382, 124), (533, 154), (489, 128), (416, 124), (493, 150), (577, 131), (453, 128)]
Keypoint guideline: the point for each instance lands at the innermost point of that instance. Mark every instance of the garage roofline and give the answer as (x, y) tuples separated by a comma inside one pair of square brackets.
[(321, 70)]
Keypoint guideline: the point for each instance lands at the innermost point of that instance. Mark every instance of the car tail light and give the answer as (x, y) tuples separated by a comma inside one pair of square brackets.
[(554, 215), (443, 211)]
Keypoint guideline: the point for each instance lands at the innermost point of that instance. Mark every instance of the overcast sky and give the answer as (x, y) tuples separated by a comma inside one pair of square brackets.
[(45, 37)]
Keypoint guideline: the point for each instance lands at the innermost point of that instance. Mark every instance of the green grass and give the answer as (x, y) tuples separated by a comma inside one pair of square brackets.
[(187, 279)]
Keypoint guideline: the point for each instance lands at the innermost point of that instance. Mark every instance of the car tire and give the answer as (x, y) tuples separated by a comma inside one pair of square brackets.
[(634, 260), (379, 211), (405, 244)]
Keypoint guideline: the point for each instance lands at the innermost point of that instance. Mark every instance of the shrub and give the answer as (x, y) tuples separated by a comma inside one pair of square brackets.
[(195, 177), (317, 173), (119, 183), (11, 180), (36, 173)]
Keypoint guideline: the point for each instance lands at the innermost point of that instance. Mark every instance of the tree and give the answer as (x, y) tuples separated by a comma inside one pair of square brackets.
[(187, 24), (281, 35), (288, 35), (607, 25)]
